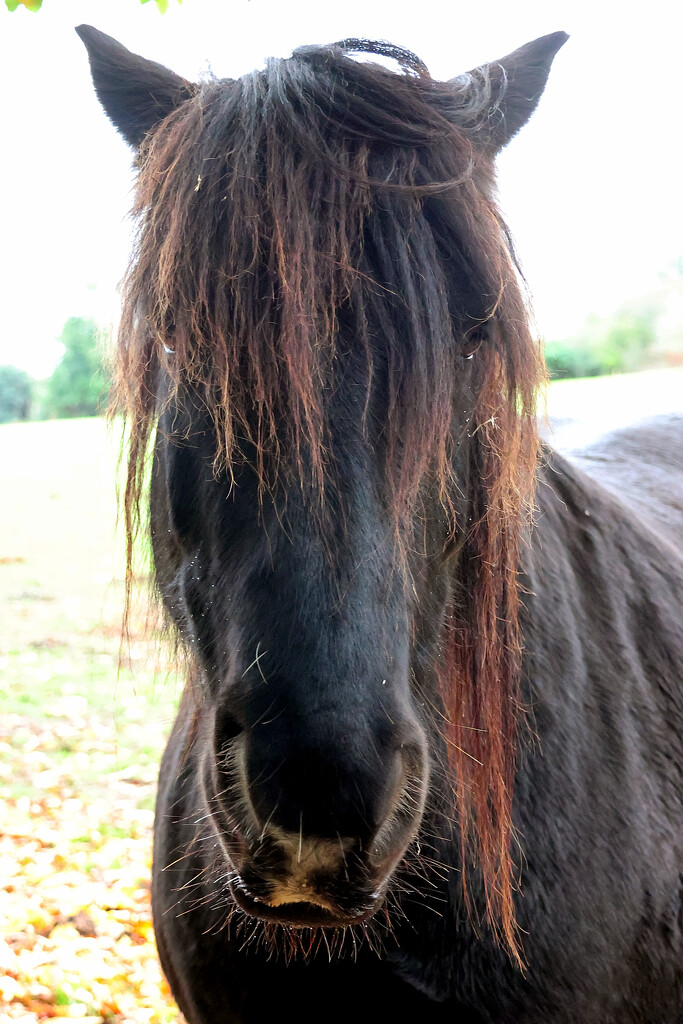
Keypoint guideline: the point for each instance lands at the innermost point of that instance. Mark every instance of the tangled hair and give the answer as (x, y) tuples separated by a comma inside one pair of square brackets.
[(324, 201)]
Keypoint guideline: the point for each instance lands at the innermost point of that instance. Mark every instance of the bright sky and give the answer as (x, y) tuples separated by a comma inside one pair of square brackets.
[(591, 187)]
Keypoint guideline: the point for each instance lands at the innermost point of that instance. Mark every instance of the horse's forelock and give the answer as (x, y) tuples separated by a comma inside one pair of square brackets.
[(266, 206)]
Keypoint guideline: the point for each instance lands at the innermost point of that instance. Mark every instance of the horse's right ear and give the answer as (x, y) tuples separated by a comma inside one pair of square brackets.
[(136, 93)]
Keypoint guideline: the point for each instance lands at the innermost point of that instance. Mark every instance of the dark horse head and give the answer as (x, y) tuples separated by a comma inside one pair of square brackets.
[(323, 332)]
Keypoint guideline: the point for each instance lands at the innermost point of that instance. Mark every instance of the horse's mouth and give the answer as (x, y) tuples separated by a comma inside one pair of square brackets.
[(304, 913)]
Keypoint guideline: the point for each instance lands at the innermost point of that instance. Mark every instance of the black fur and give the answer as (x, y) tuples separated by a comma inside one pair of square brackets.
[(314, 708), (598, 805)]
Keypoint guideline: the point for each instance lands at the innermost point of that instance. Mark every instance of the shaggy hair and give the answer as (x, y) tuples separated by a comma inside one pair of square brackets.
[(324, 201)]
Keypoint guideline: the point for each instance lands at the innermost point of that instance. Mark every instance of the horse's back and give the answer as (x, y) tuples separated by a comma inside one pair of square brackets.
[(643, 467)]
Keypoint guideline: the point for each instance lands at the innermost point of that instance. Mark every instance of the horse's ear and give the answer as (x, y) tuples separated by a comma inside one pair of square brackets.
[(517, 83), (136, 93)]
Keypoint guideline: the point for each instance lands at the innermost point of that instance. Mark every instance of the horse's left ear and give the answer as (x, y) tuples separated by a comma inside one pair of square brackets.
[(517, 83), (136, 93)]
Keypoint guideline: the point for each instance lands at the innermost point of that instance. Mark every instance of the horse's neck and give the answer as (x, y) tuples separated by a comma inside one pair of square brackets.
[(635, 474), (602, 589), (597, 568), (643, 468)]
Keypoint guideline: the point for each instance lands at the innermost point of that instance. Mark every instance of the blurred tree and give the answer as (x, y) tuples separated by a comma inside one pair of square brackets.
[(79, 385), (618, 345), (627, 340), (16, 394)]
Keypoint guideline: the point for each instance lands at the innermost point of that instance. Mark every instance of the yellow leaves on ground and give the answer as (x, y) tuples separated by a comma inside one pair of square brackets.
[(75, 917)]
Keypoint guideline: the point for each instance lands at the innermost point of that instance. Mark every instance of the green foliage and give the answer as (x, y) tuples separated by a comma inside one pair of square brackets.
[(161, 4), (572, 358), (620, 345), (16, 394), (78, 387), (35, 5), (627, 341), (30, 5)]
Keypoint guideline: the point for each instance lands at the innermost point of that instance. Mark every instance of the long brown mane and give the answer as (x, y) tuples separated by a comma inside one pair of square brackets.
[(319, 202)]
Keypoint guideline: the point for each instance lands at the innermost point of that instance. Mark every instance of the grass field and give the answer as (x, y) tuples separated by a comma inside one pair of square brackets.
[(80, 737), (61, 587)]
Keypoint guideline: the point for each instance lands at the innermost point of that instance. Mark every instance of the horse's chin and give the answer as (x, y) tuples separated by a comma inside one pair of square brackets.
[(305, 914)]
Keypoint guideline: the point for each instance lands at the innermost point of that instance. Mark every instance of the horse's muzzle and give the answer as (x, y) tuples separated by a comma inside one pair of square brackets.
[(304, 880)]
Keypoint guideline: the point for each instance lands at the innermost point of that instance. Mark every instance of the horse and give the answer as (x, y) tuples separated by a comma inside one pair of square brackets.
[(428, 761)]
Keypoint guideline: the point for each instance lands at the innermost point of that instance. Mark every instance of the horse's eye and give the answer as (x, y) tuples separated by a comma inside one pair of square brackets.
[(474, 339)]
